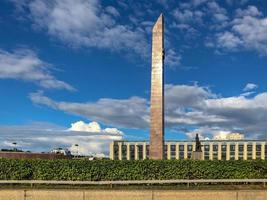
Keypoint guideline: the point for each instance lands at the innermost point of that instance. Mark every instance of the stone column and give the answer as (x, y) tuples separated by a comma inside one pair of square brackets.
[(157, 92), (136, 157), (263, 150), (177, 151), (254, 150), (111, 150), (227, 151), (128, 151), (144, 151), (120, 151), (211, 151), (245, 156), (236, 151), (168, 151), (185, 150), (219, 151)]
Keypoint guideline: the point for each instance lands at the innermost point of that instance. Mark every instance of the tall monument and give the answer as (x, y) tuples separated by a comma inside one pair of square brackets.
[(157, 92)]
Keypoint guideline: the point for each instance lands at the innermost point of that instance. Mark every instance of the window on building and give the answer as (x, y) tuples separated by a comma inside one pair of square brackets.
[(258, 151), (241, 152), (232, 152), (223, 150), (215, 152), (124, 152), (249, 151), (206, 152), (165, 151), (181, 152), (132, 152), (116, 151), (189, 147), (140, 152)]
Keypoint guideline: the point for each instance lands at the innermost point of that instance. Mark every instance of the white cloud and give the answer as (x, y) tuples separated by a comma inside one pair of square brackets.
[(85, 23), (249, 87), (172, 59), (250, 11), (92, 127), (228, 40), (248, 31), (130, 113), (184, 106), (44, 137), (24, 64)]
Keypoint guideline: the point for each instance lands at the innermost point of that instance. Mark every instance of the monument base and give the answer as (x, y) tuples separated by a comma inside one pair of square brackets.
[(197, 155)]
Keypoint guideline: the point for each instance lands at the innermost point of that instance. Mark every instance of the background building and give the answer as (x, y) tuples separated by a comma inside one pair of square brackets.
[(211, 149)]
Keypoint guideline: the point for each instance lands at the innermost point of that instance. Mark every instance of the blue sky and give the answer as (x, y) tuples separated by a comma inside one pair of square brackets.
[(89, 60)]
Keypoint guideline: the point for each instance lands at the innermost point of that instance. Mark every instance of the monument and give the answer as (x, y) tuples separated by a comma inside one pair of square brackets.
[(156, 151), (197, 154)]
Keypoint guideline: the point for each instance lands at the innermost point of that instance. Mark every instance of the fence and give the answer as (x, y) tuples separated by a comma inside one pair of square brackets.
[(135, 182)]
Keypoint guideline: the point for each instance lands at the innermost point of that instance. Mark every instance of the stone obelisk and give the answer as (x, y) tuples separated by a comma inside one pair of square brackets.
[(156, 149)]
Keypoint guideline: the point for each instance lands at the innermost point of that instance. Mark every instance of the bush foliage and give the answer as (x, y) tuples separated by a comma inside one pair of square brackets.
[(15, 169)]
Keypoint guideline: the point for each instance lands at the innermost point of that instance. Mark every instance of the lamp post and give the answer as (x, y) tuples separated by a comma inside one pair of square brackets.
[(15, 146), (77, 150)]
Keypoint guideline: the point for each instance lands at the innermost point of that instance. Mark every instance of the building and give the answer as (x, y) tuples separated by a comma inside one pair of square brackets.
[(29, 155), (179, 150)]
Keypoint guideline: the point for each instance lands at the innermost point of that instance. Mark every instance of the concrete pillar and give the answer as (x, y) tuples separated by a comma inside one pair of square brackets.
[(168, 151), (211, 151), (236, 151), (120, 151), (263, 150), (136, 157), (185, 150), (245, 156), (203, 151), (128, 151), (144, 151), (177, 151), (227, 151), (253, 150), (111, 150), (220, 151)]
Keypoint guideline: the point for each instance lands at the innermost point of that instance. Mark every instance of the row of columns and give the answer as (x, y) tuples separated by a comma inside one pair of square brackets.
[(228, 155)]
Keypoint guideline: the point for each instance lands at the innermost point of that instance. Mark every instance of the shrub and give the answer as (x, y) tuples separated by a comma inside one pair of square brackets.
[(23, 169)]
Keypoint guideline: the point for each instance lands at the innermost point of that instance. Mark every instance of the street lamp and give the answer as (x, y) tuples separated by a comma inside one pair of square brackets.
[(77, 149), (15, 146)]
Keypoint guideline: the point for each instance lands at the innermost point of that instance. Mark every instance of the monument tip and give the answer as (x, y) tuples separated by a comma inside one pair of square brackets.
[(159, 21)]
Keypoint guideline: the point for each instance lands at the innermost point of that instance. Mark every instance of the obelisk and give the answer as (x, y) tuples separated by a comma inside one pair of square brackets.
[(156, 149)]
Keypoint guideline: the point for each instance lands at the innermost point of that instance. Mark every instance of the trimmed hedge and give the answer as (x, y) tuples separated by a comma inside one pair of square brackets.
[(15, 169)]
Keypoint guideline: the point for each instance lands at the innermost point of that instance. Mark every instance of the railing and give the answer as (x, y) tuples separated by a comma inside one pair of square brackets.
[(134, 182)]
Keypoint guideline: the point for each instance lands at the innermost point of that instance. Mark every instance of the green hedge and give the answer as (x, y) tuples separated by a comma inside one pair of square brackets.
[(129, 170)]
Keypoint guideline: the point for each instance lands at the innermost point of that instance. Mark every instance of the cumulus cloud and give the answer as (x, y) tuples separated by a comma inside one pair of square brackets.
[(43, 137), (92, 127), (24, 64)]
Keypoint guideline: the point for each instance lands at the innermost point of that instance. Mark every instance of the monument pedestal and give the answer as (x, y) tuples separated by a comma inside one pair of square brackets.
[(197, 155)]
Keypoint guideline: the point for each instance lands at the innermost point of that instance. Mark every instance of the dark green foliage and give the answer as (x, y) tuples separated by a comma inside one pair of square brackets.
[(129, 170)]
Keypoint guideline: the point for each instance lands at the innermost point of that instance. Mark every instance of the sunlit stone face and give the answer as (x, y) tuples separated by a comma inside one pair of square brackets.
[(157, 92)]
